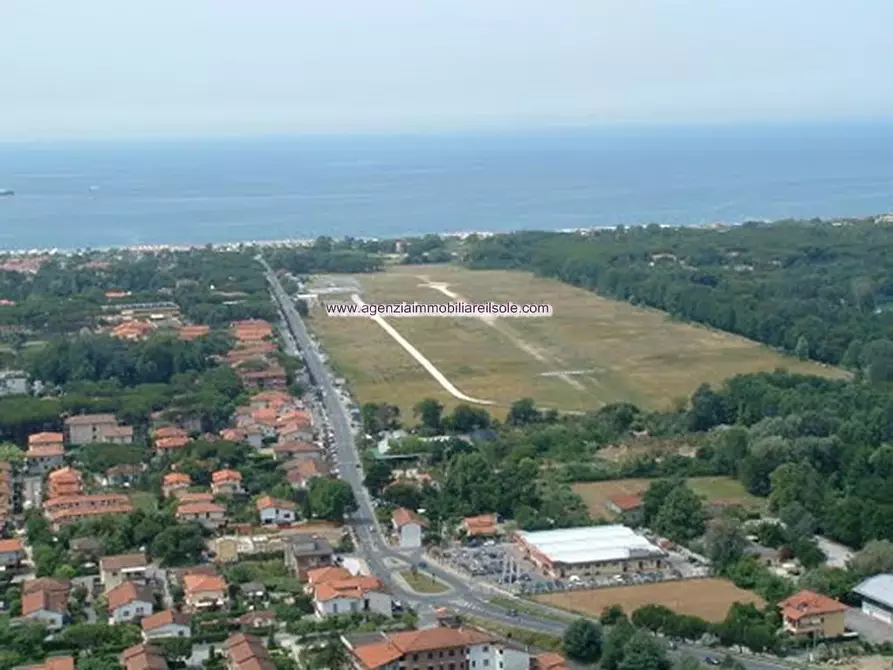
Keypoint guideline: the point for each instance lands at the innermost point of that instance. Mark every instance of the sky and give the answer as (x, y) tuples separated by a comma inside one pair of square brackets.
[(143, 68)]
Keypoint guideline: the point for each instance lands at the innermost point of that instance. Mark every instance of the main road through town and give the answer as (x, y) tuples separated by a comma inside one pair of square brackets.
[(464, 595)]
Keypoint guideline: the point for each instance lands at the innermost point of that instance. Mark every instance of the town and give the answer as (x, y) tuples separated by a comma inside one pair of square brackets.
[(188, 481)]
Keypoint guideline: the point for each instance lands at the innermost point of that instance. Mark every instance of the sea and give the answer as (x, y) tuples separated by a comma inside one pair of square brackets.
[(71, 195)]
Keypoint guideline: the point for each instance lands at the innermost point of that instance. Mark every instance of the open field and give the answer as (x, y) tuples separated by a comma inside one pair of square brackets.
[(709, 599), (592, 351), (712, 489)]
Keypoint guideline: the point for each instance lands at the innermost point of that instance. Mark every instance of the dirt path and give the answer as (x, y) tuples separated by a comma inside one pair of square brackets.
[(500, 325), (420, 358)]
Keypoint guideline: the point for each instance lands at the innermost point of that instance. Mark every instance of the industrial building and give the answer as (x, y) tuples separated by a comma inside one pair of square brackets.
[(590, 551), (877, 597)]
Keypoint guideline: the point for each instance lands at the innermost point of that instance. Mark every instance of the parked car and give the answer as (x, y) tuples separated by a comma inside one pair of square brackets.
[(710, 660)]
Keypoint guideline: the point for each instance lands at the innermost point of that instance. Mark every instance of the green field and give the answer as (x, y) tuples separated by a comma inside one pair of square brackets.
[(591, 352), (422, 582)]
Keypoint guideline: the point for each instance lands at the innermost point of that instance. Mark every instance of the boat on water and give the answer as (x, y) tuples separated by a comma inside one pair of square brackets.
[(6, 192)]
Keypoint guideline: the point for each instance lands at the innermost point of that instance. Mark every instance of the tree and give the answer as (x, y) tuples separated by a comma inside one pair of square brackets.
[(833, 582), (176, 649), (682, 516), (801, 350), (612, 615), (378, 475), (708, 409), (654, 498), (331, 499), (795, 482), (10, 453), (179, 544), (429, 412), (583, 641), (724, 542), (875, 558), (331, 655), (523, 412), (644, 652), (614, 647)]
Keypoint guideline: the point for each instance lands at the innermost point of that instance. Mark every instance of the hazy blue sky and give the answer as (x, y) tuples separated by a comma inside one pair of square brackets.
[(87, 68)]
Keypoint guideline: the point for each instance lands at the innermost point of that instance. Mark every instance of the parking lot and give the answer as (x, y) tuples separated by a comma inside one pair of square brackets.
[(503, 564)]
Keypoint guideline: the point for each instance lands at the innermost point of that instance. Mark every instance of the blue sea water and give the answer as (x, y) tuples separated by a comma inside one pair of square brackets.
[(74, 195)]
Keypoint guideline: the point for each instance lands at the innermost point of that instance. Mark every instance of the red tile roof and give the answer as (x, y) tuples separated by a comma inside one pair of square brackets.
[(403, 517), (808, 603), (626, 502)]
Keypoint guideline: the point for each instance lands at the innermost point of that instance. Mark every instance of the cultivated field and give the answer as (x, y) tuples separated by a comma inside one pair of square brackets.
[(592, 351), (709, 599), (712, 489)]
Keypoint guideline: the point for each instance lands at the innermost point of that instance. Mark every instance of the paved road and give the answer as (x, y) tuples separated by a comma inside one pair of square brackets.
[(465, 595)]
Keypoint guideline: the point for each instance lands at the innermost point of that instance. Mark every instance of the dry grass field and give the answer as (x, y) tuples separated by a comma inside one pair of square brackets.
[(712, 489), (709, 599), (612, 350)]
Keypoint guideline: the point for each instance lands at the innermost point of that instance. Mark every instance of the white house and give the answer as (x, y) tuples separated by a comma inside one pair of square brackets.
[(166, 623), (129, 602), (205, 591), (46, 600), (275, 511), (350, 595), (408, 527), (113, 570)]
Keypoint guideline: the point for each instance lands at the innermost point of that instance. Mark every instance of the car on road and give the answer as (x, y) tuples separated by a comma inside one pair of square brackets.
[(710, 660), (512, 612)]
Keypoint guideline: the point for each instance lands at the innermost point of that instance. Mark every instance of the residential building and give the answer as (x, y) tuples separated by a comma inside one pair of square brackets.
[(163, 432), (627, 506), (276, 511), (294, 417), (253, 591), (877, 597), (297, 451), (128, 602), (210, 515), (123, 474), (204, 591), (304, 471), (46, 600), (440, 648), (45, 439), (132, 330), (278, 400), (14, 382), (295, 432), (245, 652), (174, 482), (335, 594), (256, 619), (273, 377), (811, 614), (117, 435), (40, 459), (169, 444), (114, 570), (65, 482), (234, 434), (167, 623), (408, 527), (226, 482), (52, 663), (306, 552), (483, 525), (188, 497), (549, 661), (251, 330), (88, 428), (143, 657), (12, 553), (71, 509), (188, 333)]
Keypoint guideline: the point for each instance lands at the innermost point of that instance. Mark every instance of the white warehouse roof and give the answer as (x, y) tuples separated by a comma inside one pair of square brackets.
[(592, 544), (878, 588)]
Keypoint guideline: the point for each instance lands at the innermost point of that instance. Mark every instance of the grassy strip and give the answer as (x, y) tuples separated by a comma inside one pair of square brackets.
[(542, 641), (521, 606), (422, 582)]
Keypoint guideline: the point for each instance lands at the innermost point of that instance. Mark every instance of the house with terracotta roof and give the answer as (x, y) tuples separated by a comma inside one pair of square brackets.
[(65, 482), (300, 450), (143, 657), (52, 663), (123, 474), (12, 553), (88, 428), (408, 528), (64, 510), (256, 619), (812, 614), (204, 591), (275, 511), (295, 432), (46, 600), (271, 377), (173, 482), (246, 652), (114, 570), (549, 661), (117, 435), (627, 506), (128, 602), (187, 497), (275, 399), (189, 333), (45, 439), (251, 330), (167, 623), (483, 525), (208, 514), (168, 431), (226, 482), (304, 471), (169, 444), (335, 594), (434, 647), (234, 434), (132, 330), (41, 458)]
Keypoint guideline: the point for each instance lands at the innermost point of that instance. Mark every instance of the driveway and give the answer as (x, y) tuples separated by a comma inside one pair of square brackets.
[(873, 630)]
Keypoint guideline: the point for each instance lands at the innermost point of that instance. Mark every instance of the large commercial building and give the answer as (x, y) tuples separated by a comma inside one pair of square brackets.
[(590, 551), (877, 597)]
